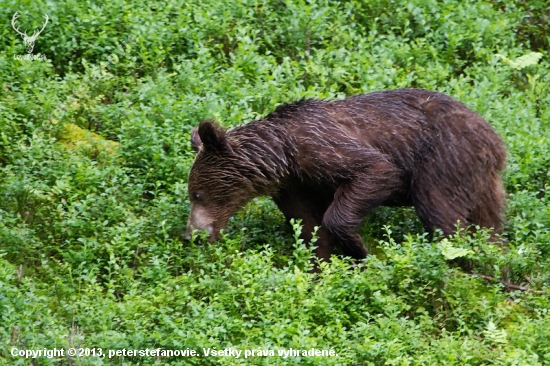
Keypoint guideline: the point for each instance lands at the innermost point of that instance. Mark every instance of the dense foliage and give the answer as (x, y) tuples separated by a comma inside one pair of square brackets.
[(94, 156)]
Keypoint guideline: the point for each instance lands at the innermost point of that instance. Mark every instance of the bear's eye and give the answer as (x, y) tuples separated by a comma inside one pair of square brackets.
[(196, 196)]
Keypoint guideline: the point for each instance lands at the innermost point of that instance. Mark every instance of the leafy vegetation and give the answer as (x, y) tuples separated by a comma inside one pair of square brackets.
[(94, 156)]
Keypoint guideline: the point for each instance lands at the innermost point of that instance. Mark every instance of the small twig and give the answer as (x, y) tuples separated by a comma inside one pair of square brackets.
[(136, 255), (509, 286), (528, 280)]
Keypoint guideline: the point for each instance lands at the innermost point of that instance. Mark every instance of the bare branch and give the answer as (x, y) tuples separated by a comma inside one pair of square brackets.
[(509, 286)]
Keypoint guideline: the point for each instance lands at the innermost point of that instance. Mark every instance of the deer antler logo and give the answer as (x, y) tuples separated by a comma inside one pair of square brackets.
[(29, 40)]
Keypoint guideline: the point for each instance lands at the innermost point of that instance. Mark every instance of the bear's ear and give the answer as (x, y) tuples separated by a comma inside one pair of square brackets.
[(212, 137), (196, 142)]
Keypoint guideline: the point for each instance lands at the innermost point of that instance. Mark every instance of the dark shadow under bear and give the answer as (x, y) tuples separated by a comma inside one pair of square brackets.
[(331, 162)]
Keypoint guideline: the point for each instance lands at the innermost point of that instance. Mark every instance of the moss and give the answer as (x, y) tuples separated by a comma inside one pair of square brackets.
[(76, 138)]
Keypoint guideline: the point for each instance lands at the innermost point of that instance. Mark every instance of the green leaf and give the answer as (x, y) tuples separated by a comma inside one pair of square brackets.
[(494, 334), (530, 59), (450, 252)]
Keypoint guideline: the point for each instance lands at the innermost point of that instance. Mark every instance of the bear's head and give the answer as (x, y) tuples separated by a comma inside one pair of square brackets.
[(219, 181)]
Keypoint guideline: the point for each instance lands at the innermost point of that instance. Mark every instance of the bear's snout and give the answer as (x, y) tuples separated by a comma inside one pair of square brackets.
[(199, 221), (209, 229)]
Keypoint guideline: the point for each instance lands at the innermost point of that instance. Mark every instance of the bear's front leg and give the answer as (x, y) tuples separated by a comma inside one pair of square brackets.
[(308, 205), (353, 200)]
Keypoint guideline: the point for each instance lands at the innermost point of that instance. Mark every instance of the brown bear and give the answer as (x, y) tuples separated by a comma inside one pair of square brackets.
[(330, 162)]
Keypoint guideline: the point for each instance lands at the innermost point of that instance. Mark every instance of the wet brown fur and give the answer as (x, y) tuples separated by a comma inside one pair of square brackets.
[(331, 162)]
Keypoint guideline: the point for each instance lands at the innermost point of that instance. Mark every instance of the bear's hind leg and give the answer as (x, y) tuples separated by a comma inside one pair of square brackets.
[(437, 210), (491, 203)]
